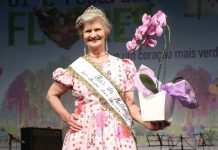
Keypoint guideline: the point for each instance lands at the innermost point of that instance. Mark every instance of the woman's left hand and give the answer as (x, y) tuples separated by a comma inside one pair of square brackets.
[(159, 125)]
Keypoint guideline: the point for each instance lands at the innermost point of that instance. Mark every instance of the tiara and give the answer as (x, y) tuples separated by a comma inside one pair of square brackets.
[(90, 9)]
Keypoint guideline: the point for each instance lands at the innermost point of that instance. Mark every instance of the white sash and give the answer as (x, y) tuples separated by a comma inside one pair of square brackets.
[(104, 87)]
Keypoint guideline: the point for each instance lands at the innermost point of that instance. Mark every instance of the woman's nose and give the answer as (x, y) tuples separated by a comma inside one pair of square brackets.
[(93, 34)]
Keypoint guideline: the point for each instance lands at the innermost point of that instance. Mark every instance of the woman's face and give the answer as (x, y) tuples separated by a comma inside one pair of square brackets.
[(94, 35)]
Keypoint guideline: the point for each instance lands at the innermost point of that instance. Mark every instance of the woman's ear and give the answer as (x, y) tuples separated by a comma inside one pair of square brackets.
[(107, 34)]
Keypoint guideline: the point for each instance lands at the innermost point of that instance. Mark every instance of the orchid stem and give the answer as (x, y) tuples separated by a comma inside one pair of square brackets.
[(164, 58)]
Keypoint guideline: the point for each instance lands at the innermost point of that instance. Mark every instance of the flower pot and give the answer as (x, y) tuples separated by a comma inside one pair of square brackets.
[(156, 107)]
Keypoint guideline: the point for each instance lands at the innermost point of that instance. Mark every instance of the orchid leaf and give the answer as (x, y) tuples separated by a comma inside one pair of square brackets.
[(177, 79), (148, 83)]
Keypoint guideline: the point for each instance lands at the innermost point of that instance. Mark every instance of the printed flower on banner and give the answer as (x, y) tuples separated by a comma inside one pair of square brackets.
[(58, 26)]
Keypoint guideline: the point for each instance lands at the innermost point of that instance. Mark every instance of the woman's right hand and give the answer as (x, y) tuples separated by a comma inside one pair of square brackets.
[(159, 125), (72, 121)]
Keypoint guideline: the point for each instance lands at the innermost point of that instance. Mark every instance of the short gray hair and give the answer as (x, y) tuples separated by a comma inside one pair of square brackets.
[(90, 14)]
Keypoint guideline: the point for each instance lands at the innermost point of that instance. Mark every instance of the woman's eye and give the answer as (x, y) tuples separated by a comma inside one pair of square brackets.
[(88, 31)]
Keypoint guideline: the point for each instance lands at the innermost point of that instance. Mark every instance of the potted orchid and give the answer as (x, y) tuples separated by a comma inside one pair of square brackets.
[(155, 97)]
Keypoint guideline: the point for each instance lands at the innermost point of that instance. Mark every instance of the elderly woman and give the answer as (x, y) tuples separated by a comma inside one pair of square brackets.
[(103, 87)]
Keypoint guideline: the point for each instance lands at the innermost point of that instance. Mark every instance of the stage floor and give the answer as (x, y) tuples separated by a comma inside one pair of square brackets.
[(16, 146), (178, 147)]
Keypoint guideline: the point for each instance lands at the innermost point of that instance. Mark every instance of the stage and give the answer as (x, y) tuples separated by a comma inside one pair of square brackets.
[(185, 145)]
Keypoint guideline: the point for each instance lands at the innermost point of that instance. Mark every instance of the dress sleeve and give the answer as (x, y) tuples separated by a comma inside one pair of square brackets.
[(130, 73), (63, 76)]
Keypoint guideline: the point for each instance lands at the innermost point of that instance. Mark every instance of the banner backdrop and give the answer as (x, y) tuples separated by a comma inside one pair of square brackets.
[(37, 36)]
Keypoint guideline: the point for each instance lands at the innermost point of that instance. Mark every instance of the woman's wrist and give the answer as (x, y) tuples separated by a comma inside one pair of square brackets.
[(67, 118)]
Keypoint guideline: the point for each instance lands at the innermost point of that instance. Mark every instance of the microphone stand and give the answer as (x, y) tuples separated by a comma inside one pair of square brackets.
[(11, 139)]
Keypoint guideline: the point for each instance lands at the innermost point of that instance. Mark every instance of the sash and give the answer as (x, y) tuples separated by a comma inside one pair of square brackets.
[(103, 86)]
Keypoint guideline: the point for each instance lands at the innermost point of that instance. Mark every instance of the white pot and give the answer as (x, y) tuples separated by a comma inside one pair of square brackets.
[(156, 107)]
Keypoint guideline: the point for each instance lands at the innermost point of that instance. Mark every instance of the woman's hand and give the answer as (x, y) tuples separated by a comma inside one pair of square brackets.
[(159, 125), (72, 121)]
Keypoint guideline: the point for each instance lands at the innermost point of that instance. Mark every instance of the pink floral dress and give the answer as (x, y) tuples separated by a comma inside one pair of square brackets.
[(101, 129)]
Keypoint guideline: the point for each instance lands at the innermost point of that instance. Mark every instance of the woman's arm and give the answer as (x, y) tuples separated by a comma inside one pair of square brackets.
[(136, 115), (53, 97)]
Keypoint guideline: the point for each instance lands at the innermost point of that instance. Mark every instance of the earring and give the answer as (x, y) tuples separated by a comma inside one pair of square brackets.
[(84, 49), (106, 46)]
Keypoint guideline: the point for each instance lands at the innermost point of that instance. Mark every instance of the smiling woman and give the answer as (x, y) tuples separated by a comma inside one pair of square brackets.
[(103, 87)]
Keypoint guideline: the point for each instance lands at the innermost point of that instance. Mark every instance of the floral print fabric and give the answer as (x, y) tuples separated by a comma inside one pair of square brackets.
[(101, 129)]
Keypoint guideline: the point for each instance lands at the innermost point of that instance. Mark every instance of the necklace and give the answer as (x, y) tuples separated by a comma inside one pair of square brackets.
[(98, 60)]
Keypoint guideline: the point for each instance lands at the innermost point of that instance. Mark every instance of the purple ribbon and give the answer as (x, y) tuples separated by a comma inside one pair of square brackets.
[(181, 91)]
